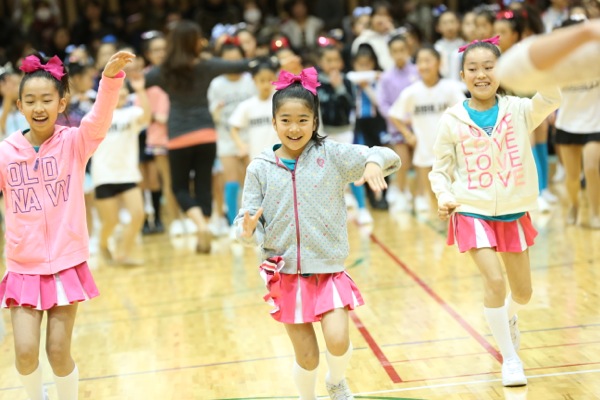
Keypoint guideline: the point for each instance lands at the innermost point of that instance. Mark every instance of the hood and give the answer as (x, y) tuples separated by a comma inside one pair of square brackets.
[(459, 111), (18, 141), (268, 154)]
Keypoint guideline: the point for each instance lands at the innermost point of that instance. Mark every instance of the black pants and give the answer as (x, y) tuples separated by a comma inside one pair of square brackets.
[(200, 160)]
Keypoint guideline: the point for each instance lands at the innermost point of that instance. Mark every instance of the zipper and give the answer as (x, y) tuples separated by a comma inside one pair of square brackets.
[(297, 219), (41, 180)]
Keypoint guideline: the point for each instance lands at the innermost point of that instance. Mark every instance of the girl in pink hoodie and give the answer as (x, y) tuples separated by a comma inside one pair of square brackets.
[(41, 175)]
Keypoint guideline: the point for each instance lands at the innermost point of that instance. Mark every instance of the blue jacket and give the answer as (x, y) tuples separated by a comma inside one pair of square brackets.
[(304, 214)]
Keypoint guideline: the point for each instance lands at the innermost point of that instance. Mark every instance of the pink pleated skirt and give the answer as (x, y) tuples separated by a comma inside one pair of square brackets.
[(43, 292), (507, 237), (298, 299)]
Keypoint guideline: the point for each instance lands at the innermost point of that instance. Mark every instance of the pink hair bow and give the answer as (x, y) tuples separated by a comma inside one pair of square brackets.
[(493, 40), (54, 66), (307, 78)]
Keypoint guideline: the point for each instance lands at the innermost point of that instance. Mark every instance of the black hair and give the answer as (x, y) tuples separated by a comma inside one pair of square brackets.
[(456, 15), (325, 49), (263, 65), (62, 85), (479, 45), (365, 49), (398, 37), (570, 22), (430, 49), (515, 19), (297, 92), (79, 68), (230, 46), (488, 14)]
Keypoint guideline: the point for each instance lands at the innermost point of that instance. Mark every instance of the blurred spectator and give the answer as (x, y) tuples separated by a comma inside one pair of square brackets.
[(468, 28), (46, 18), (302, 28), (448, 25), (60, 40), (378, 34), (331, 12), (92, 25), (213, 12), (555, 14)]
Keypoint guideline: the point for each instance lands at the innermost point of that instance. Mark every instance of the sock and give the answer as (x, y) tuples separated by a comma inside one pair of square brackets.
[(512, 307), (538, 165), (542, 150), (359, 194), (498, 321), (231, 199), (68, 386), (156, 205), (338, 365), (33, 384), (306, 382)]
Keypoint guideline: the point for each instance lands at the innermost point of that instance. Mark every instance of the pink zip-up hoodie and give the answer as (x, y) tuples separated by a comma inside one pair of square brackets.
[(46, 229)]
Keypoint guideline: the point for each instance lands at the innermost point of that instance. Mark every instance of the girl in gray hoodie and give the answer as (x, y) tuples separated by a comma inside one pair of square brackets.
[(293, 208)]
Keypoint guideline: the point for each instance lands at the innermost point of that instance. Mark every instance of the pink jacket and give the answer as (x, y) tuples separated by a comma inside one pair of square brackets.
[(46, 228)]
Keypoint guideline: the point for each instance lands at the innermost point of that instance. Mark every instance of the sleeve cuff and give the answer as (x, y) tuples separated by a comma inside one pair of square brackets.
[(377, 159)]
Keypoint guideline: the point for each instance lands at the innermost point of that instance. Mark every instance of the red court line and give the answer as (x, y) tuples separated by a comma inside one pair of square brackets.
[(476, 335), (385, 363)]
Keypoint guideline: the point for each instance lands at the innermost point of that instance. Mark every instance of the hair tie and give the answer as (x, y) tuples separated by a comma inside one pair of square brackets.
[(232, 41), (493, 40), (307, 78), (54, 66), (360, 11)]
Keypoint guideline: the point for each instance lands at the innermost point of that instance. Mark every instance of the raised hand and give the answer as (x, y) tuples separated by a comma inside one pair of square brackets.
[(373, 175), (117, 62), (250, 222), (444, 210)]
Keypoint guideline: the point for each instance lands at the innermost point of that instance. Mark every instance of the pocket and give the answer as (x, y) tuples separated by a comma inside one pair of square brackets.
[(24, 245), (324, 238)]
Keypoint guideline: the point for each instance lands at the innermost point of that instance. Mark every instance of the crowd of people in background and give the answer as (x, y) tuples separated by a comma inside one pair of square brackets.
[(388, 71)]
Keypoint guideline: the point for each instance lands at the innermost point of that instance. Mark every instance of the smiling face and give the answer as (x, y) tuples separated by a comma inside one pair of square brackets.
[(479, 74), (294, 123), (40, 103)]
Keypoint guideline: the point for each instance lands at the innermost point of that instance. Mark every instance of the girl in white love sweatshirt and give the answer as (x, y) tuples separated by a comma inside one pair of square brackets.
[(485, 171)]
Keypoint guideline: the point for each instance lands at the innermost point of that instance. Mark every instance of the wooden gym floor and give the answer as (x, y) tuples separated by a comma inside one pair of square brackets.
[(186, 326)]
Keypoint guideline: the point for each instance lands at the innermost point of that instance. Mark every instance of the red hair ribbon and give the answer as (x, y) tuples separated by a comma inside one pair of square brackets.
[(280, 43), (493, 40), (54, 66), (232, 40), (307, 78)]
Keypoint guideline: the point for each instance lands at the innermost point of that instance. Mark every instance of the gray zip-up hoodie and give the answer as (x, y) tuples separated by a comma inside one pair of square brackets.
[(304, 214)]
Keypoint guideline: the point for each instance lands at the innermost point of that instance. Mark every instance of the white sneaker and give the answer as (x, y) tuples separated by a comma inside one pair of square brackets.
[(189, 226), (176, 228), (392, 194), (364, 217), (515, 333), (543, 205), (512, 373), (559, 174), (350, 200), (341, 391), (595, 222), (421, 204), (549, 196)]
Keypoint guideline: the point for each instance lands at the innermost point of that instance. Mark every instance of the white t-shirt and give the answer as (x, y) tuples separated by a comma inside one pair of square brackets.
[(255, 116), (422, 107), (14, 122), (579, 110), (116, 159), (450, 57), (229, 93)]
